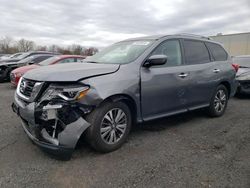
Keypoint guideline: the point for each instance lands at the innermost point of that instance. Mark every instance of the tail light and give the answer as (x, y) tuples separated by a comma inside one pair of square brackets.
[(236, 67)]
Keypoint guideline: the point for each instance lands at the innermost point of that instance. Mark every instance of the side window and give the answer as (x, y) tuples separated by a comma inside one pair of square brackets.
[(67, 60), (172, 49), (219, 54), (78, 60), (39, 59), (195, 52)]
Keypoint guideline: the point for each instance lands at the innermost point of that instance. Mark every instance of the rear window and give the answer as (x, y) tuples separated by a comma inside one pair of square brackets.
[(195, 52), (218, 53)]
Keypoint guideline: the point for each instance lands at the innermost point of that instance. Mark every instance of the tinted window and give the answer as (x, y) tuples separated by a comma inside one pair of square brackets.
[(219, 54), (172, 49), (41, 58), (195, 52), (50, 60), (79, 59)]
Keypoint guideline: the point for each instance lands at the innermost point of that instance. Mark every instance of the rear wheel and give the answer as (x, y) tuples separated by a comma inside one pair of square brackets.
[(110, 126), (218, 102)]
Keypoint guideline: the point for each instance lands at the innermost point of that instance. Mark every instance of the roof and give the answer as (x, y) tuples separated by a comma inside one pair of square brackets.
[(74, 56), (157, 37)]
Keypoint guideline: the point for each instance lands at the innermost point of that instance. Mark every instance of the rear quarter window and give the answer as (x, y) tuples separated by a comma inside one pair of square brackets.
[(218, 53), (196, 52)]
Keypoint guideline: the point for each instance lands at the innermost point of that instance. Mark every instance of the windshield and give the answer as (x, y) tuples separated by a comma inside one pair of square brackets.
[(121, 53), (15, 55), (26, 60), (242, 61), (23, 55), (49, 60)]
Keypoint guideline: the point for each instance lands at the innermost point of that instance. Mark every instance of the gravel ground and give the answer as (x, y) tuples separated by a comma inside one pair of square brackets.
[(188, 150)]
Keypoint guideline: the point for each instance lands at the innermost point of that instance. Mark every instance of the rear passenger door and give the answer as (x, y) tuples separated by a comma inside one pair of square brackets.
[(201, 73)]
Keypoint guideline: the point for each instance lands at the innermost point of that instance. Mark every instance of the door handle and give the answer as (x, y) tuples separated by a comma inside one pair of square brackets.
[(183, 75), (216, 70)]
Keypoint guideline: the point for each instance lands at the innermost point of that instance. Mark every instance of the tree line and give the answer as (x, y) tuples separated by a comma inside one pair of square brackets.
[(9, 46)]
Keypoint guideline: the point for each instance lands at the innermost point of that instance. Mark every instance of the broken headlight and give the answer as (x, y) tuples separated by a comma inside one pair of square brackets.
[(68, 93)]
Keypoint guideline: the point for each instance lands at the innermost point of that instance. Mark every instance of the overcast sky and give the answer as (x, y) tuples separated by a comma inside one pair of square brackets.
[(102, 22)]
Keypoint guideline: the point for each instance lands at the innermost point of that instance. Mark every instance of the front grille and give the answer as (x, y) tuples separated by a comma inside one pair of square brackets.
[(26, 87)]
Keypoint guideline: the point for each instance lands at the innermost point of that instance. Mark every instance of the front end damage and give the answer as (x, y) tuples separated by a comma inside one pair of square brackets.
[(244, 82), (244, 86), (53, 123)]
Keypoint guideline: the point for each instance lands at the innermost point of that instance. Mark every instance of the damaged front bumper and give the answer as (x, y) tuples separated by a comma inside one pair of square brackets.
[(244, 86), (55, 126)]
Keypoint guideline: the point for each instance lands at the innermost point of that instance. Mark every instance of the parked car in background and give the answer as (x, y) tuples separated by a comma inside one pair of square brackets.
[(7, 65), (243, 75), (135, 80), (15, 55), (4, 56), (35, 59), (17, 73), (10, 56)]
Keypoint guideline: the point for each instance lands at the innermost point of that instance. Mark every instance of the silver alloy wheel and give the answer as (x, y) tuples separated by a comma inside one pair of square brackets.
[(113, 126), (220, 100)]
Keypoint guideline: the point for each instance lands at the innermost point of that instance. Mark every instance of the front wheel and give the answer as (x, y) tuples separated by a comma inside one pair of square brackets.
[(218, 102), (110, 126)]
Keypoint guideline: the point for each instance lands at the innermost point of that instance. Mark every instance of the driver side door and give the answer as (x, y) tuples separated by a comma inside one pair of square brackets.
[(164, 87)]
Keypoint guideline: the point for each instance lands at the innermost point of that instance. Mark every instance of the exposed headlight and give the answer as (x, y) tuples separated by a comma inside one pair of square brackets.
[(68, 93)]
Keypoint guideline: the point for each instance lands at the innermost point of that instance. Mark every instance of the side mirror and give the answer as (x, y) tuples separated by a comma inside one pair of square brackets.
[(156, 60)]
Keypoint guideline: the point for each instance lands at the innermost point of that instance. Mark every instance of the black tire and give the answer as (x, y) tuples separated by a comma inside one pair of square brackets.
[(96, 119), (6, 76), (214, 110)]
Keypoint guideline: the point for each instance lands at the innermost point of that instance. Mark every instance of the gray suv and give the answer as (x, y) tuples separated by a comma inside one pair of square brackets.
[(132, 81)]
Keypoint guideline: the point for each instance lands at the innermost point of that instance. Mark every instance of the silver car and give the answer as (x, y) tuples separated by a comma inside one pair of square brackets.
[(243, 74), (132, 81)]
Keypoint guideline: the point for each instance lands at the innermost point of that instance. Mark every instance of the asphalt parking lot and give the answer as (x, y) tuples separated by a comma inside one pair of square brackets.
[(188, 150)]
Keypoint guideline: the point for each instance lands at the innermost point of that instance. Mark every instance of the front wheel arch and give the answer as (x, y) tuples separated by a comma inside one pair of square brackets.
[(95, 118), (129, 101), (228, 87)]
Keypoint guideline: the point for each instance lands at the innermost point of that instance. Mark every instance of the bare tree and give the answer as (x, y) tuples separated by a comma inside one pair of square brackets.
[(90, 51), (76, 49), (5, 44), (41, 48), (25, 45), (53, 48), (8, 45)]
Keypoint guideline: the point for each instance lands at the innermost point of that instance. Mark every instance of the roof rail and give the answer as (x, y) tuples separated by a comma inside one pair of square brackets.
[(194, 35)]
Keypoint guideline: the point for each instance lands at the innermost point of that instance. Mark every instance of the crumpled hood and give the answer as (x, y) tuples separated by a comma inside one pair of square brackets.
[(24, 69), (70, 72)]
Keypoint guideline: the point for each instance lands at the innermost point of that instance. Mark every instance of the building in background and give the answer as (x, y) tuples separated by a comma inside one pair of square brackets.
[(235, 44)]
